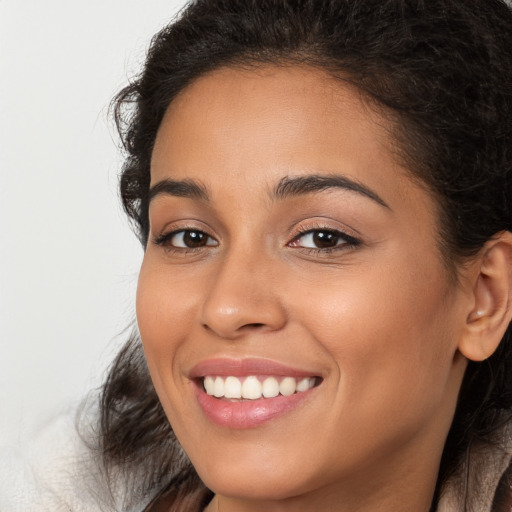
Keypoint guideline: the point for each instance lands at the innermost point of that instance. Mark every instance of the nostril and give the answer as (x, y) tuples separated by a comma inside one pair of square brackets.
[(244, 326), (233, 331), (252, 326)]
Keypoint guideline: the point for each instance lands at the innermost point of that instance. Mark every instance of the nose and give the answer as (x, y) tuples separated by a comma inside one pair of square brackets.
[(243, 297)]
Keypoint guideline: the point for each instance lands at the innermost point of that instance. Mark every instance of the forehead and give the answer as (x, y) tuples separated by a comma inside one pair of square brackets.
[(236, 128)]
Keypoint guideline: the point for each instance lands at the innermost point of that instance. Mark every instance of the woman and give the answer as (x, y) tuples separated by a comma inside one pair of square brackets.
[(321, 188)]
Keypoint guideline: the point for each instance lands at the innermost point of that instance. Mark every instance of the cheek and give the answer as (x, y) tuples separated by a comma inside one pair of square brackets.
[(166, 313), (164, 306), (390, 333), (164, 316)]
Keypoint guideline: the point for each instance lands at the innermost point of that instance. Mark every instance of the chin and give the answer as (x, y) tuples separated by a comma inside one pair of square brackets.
[(253, 484)]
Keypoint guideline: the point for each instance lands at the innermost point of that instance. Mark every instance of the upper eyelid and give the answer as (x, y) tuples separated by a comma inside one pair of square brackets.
[(319, 225), (168, 234), (306, 231), (343, 234), (184, 225), (326, 222)]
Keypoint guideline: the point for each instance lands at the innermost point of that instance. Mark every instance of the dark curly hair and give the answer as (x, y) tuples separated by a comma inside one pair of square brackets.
[(440, 70)]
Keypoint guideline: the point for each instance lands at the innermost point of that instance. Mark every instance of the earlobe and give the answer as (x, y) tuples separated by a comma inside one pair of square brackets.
[(491, 311)]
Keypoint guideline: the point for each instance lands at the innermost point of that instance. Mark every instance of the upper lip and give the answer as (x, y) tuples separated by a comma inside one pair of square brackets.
[(245, 367)]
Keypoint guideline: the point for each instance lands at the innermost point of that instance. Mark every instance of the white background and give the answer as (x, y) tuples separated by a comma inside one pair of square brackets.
[(68, 261)]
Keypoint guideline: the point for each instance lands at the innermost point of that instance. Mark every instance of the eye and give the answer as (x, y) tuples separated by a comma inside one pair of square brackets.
[(323, 239), (186, 239)]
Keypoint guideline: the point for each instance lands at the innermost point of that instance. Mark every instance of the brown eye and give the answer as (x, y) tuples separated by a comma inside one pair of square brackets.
[(194, 239), (324, 239), (189, 239)]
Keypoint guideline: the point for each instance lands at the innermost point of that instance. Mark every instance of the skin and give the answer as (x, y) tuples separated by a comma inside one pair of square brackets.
[(380, 321)]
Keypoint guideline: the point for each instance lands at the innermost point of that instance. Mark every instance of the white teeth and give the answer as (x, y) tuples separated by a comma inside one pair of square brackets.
[(252, 388), (218, 387), (270, 387), (305, 384), (209, 385), (288, 386), (232, 388)]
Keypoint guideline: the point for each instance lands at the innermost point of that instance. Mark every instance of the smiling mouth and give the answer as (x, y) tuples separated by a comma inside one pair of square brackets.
[(255, 387)]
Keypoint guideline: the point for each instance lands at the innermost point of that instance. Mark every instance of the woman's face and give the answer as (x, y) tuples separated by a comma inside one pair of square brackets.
[(290, 253)]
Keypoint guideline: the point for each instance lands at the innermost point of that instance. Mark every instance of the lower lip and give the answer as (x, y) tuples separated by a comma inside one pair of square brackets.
[(247, 413)]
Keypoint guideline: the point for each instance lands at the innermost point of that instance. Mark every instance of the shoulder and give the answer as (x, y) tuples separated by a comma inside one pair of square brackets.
[(503, 497), (482, 483)]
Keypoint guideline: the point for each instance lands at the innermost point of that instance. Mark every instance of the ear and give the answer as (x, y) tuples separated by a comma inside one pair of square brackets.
[(491, 310)]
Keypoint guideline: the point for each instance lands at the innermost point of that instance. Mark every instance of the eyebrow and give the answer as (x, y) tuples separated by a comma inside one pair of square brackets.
[(301, 185), (179, 188), (287, 187)]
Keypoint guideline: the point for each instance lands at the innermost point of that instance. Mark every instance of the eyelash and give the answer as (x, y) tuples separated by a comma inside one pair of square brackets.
[(165, 239), (348, 241)]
